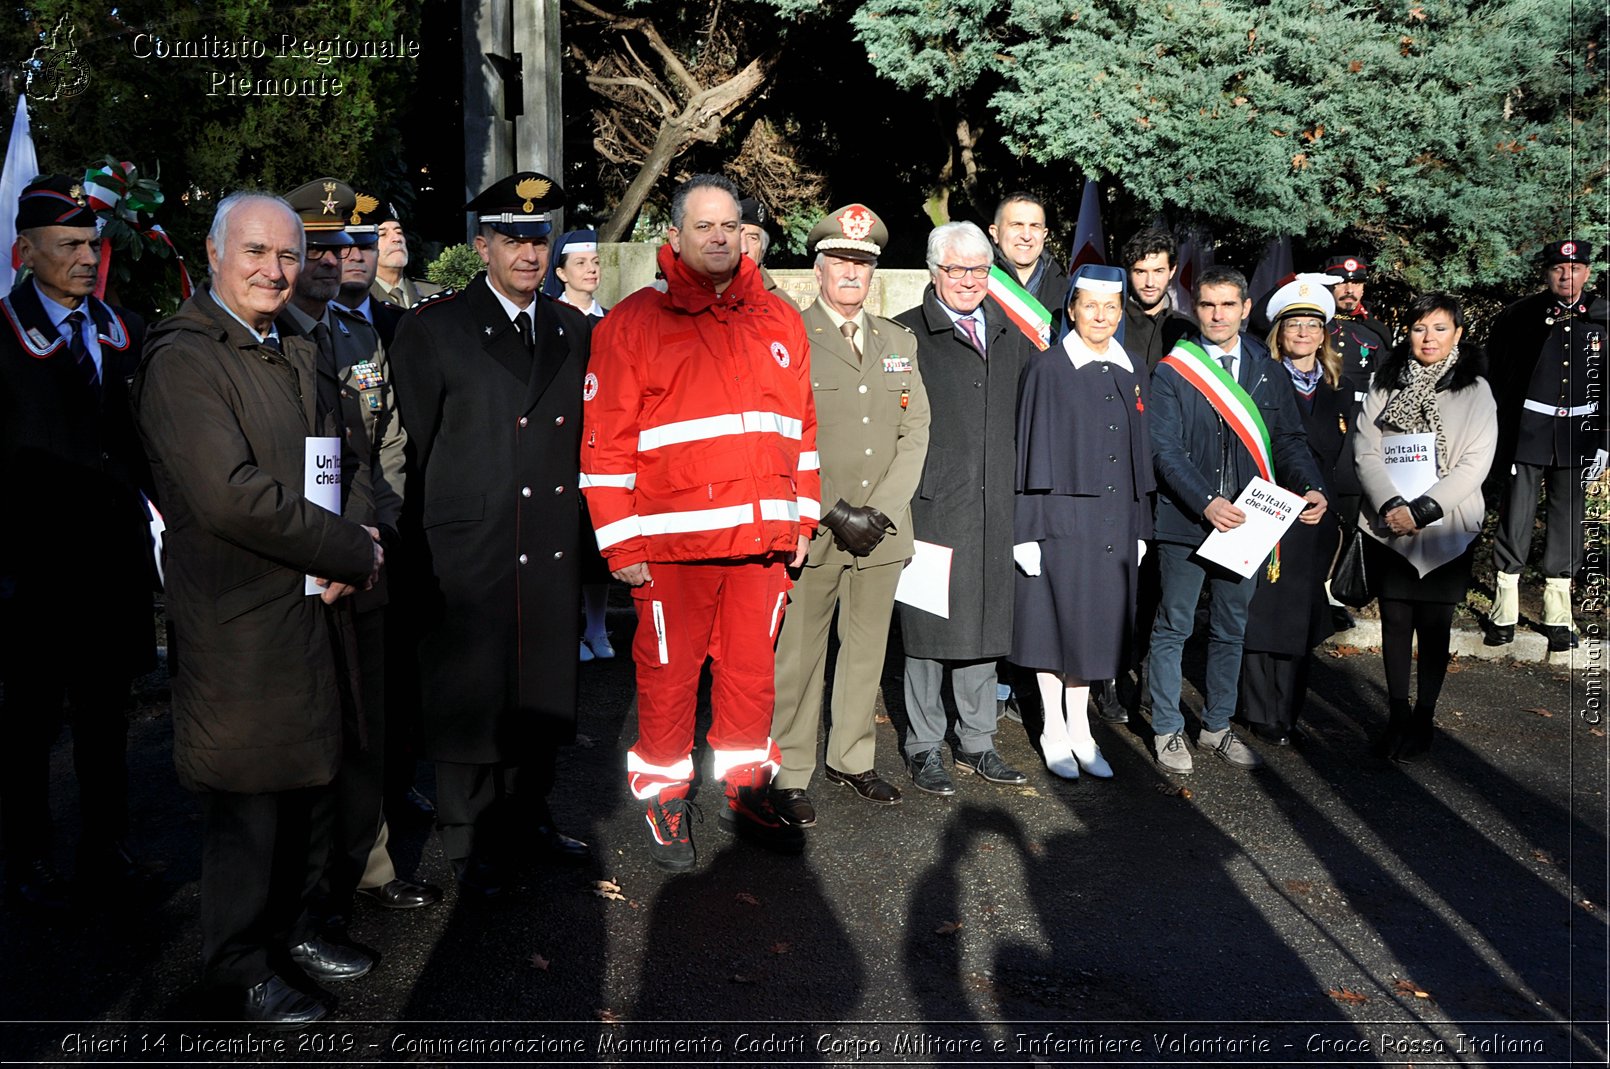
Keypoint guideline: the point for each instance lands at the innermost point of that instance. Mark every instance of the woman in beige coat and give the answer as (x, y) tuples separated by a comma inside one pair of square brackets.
[(1425, 441)]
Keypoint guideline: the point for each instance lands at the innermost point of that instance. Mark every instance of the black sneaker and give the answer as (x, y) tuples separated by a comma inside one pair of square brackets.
[(750, 815), (670, 840)]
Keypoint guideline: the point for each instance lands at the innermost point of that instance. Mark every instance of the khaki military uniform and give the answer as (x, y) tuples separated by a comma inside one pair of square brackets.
[(872, 419)]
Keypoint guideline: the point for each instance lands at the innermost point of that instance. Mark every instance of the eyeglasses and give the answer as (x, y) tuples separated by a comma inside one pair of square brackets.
[(1303, 326), (958, 271)]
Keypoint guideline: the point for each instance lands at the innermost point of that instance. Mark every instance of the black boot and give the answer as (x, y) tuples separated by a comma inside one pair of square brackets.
[(1417, 739), (1397, 728)]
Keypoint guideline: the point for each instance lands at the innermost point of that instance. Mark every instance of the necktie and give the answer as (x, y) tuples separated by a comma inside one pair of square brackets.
[(522, 323), (970, 325), (1228, 360), (848, 330), (327, 391), (84, 363)]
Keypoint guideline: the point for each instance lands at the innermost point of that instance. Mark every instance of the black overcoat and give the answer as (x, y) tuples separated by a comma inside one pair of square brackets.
[(492, 519), (965, 499), (75, 554)]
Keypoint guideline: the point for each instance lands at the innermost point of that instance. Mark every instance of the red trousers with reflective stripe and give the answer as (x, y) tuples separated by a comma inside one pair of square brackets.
[(730, 612)]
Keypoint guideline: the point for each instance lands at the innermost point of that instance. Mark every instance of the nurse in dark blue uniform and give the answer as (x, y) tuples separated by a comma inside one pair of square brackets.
[(1083, 512)]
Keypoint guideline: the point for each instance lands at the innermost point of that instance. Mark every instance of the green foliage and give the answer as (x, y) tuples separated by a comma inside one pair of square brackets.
[(1455, 136), (202, 122), (455, 266)]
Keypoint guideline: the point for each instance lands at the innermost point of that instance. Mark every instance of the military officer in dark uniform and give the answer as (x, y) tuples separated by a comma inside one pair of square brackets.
[(754, 238), (391, 286), (359, 265), (75, 561), (1547, 353), (873, 411), (1358, 336), (489, 385), (353, 354)]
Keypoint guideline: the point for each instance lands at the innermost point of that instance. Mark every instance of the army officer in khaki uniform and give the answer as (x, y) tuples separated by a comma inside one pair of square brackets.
[(872, 415)]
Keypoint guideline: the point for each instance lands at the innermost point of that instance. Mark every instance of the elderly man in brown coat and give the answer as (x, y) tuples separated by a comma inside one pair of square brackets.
[(230, 409)]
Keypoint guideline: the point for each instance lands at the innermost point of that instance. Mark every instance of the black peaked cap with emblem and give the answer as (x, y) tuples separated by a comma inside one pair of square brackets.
[(324, 205), (53, 200), (753, 213), (364, 218), (519, 206), (1348, 266), (1569, 251)]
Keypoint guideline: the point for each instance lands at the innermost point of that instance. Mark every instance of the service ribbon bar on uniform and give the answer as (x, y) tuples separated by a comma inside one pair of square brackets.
[(1021, 307), (1233, 404)]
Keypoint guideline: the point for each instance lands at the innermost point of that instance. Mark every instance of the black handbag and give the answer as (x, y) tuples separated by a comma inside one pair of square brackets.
[(1349, 584)]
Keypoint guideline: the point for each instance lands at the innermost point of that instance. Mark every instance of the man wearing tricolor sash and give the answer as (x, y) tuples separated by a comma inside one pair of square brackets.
[(1221, 415)]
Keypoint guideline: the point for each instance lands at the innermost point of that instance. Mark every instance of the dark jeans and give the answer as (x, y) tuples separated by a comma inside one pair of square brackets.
[(1181, 577)]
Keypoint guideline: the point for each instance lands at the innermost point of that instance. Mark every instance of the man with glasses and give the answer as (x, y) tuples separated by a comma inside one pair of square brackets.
[(970, 356)]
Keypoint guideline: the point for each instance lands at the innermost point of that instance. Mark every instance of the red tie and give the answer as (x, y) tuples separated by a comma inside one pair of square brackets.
[(970, 325)]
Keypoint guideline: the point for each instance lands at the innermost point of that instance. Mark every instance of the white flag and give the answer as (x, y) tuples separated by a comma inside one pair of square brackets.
[(22, 167)]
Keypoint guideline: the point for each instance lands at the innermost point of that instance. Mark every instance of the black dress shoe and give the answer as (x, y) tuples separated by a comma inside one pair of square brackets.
[(794, 806), (331, 962), (1108, 705), (410, 807), (1499, 635), (1341, 619), (556, 845), (35, 885), (928, 772), (276, 1002), (1273, 734), (478, 878), (991, 766), (402, 894), (1008, 709), (1561, 638), (868, 784)]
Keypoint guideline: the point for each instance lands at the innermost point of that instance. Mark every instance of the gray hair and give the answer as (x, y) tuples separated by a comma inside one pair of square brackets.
[(963, 238), (765, 244), (219, 232), (679, 199)]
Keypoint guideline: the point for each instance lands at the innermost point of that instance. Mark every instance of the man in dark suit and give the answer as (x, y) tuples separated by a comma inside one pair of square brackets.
[(970, 355), (75, 571), (489, 385), (1202, 467), (866, 384), (352, 353)]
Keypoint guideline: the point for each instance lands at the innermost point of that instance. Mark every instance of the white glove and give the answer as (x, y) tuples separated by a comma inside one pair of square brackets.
[(1596, 469), (1140, 550), (1027, 555)]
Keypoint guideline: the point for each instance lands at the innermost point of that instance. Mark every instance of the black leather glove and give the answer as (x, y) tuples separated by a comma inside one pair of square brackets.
[(1393, 503), (856, 528), (1425, 511)]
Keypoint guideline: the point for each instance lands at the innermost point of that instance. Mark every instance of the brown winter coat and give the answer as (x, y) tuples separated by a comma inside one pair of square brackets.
[(256, 701)]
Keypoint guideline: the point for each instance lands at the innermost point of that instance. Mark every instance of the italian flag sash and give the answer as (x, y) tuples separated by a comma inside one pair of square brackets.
[(1233, 404), (1022, 309)]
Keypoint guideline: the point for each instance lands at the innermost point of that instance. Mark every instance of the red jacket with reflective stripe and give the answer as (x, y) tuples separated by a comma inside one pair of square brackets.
[(699, 428)]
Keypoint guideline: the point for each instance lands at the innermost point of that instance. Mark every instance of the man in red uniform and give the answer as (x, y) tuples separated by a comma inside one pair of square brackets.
[(700, 468)]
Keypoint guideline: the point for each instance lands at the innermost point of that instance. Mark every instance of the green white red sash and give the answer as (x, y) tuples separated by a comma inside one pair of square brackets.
[(1022, 309), (1233, 404)]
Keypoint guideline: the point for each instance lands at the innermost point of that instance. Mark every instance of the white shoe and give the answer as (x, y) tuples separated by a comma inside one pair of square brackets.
[(600, 647), (1059, 760), (586, 654), (1096, 765)]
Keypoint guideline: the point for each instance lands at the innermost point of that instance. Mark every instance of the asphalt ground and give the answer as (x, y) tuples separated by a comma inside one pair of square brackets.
[(1330, 908)]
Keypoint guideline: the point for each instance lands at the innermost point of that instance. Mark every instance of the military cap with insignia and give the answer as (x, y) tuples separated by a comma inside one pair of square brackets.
[(752, 213), (1569, 251), (53, 200), (1305, 295), (323, 205), (519, 206), (364, 217), (1347, 266), (852, 232)]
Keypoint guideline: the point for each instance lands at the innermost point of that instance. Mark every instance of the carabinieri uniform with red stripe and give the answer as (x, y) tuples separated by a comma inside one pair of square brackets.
[(699, 458)]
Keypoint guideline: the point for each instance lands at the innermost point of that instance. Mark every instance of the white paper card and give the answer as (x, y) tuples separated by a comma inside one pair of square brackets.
[(321, 482), (1270, 511), (925, 580), (1411, 464)]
